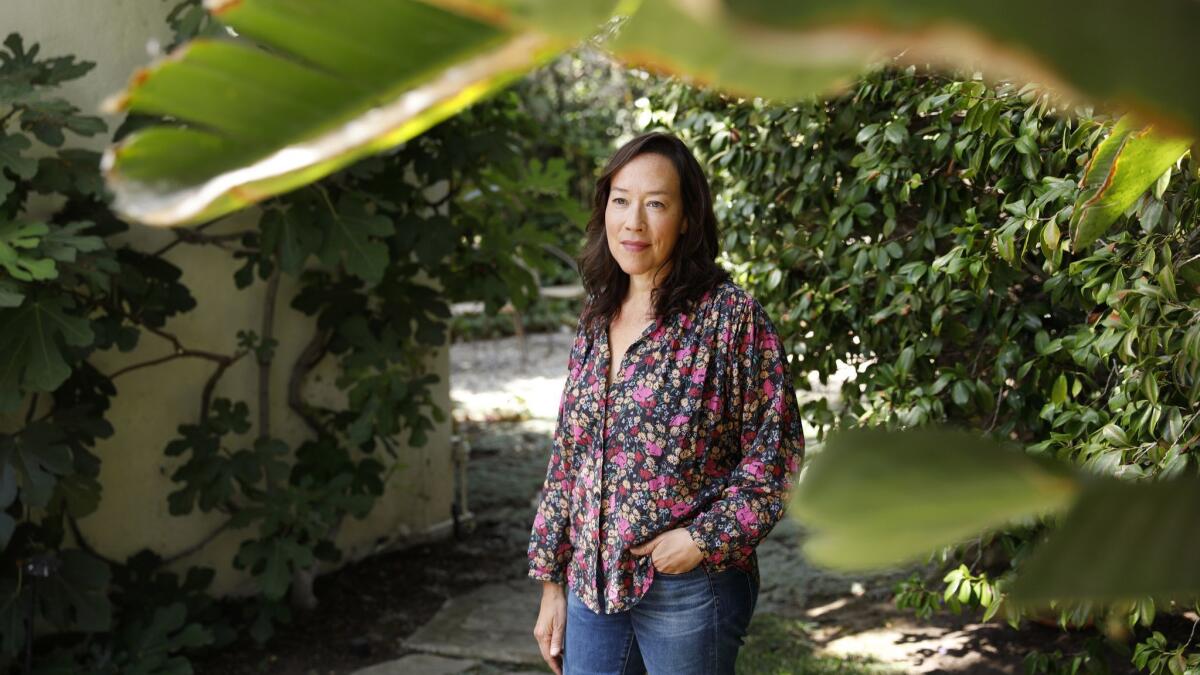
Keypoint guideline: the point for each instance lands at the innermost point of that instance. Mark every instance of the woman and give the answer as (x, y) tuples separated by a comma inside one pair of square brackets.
[(668, 468)]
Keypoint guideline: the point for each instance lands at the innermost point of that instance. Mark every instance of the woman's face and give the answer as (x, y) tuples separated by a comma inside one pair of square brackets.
[(644, 216)]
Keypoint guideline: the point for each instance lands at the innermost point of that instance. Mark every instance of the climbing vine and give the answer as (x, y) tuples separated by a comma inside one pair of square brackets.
[(469, 211)]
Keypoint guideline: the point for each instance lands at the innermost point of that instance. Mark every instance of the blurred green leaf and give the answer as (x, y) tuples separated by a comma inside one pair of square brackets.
[(1149, 69), (1120, 541), (877, 498)]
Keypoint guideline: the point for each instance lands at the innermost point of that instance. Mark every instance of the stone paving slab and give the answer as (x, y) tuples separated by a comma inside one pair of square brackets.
[(492, 623), (420, 664)]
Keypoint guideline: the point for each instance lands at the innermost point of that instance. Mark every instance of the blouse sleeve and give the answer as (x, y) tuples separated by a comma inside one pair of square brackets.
[(772, 444), (549, 542)]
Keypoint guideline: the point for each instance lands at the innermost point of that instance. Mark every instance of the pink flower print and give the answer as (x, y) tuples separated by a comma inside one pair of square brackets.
[(698, 376), (682, 354), (623, 529), (657, 482), (619, 459), (769, 388), (755, 468), (630, 370), (713, 403), (642, 393), (747, 517), (679, 420), (653, 449), (539, 522), (680, 508), (576, 432)]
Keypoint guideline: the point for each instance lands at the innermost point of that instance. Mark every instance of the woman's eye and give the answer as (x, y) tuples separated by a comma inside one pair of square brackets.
[(658, 203), (619, 200)]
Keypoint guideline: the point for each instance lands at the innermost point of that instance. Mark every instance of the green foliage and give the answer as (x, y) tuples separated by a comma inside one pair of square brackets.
[(1089, 661), (213, 473), (474, 210), (914, 229), (51, 272), (963, 588), (929, 258), (1157, 657)]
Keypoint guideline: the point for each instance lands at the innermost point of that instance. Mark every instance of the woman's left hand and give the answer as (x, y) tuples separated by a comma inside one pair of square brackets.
[(673, 551)]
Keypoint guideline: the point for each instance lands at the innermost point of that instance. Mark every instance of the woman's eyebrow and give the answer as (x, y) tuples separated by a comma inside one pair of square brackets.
[(652, 192)]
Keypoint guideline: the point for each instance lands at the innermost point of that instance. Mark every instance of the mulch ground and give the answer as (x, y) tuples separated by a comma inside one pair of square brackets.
[(365, 610)]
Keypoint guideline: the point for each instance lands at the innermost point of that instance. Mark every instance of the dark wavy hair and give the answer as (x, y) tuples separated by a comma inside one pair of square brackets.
[(694, 269)]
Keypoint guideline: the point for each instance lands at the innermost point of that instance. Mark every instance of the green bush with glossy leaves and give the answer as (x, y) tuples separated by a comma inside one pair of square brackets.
[(916, 228)]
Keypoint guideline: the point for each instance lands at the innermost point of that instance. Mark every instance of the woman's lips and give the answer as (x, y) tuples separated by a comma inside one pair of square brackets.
[(633, 246)]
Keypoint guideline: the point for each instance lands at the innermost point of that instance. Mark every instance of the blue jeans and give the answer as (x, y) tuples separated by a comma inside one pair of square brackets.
[(686, 624)]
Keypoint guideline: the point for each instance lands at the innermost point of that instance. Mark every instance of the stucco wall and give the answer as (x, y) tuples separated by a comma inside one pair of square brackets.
[(152, 402)]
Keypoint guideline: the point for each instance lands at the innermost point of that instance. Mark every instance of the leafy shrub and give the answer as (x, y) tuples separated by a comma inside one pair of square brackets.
[(916, 230)]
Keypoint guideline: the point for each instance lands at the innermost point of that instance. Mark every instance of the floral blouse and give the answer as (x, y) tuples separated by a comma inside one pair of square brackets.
[(700, 429)]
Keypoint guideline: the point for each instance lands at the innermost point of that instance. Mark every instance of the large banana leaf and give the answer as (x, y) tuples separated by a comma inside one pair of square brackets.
[(326, 82)]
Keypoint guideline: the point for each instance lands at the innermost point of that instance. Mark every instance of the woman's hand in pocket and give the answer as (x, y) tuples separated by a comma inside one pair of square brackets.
[(673, 551)]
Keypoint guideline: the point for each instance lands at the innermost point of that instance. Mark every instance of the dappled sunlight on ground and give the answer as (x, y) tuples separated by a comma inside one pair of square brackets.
[(489, 381)]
